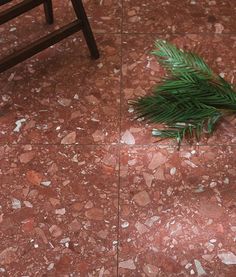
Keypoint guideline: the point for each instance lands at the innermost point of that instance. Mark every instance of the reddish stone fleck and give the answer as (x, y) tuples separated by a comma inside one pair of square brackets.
[(41, 234), (8, 256), (77, 206), (125, 210), (55, 231), (28, 225), (211, 210), (83, 267), (64, 264), (220, 228), (27, 157), (142, 198), (75, 226), (69, 139), (157, 160), (34, 177), (54, 201), (167, 264), (95, 214)]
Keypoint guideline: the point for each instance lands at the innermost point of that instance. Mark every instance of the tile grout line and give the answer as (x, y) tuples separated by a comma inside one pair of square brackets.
[(164, 34), (118, 210), (119, 143)]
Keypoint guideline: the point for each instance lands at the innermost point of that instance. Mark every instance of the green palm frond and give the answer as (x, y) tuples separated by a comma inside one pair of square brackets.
[(190, 100), (181, 62), (209, 92)]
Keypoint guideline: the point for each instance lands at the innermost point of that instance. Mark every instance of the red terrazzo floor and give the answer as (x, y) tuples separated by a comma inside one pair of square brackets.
[(85, 190)]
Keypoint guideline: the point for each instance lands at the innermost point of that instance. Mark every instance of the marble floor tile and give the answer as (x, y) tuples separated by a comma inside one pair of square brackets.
[(177, 211), (62, 92), (173, 16), (57, 218)]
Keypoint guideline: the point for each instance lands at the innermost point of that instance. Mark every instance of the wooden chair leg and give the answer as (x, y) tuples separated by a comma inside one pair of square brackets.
[(3, 2), (48, 10), (81, 23), (87, 31)]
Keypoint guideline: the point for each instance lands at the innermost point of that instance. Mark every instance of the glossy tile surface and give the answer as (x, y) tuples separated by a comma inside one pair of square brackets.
[(173, 16), (177, 211), (54, 99), (85, 189), (57, 217)]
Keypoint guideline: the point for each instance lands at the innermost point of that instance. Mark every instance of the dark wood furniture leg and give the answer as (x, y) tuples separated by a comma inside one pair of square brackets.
[(25, 6), (48, 11), (87, 31), (3, 2), (81, 23)]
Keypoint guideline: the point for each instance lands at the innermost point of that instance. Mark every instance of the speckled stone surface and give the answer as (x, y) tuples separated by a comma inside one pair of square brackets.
[(57, 217), (85, 189), (65, 102), (173, 16), (176, 208)]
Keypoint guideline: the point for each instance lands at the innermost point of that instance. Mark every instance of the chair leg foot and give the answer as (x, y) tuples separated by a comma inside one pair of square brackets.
[(91, 44), (48, 11), (87, 31)]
